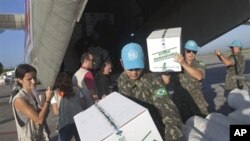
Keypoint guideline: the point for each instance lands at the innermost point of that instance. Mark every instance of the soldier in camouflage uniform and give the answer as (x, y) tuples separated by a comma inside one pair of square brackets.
[(235, 64), (188, 96), (133, 82)]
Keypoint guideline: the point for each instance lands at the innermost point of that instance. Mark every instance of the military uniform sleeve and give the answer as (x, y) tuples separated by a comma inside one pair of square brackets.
[(202, 67), (121, 81), (231, 57), (169, 112)]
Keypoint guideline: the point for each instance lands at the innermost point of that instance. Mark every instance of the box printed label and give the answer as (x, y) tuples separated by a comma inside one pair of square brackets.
[(163, 45)]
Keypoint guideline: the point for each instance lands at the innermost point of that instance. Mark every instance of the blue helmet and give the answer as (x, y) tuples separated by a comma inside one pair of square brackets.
[(191, 45), (132, 56), (236, 43)]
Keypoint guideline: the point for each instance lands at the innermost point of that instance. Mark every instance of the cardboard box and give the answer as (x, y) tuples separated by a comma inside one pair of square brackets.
[(116, 118), (162, 46)]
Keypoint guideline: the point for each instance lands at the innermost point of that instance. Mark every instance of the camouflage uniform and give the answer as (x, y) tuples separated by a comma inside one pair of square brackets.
[(188, 96), (230, 83), (150, 90)]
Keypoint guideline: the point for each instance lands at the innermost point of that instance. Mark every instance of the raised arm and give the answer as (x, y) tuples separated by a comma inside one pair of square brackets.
[(224, 59), (38, 117)]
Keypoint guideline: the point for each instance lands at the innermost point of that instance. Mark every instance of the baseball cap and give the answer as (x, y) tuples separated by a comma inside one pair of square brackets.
[(191, 45), (236, 43), (132, 56)]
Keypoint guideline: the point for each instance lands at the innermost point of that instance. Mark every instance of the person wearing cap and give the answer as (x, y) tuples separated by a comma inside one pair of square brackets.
[(235, 64), (136, 83), (188, 95)]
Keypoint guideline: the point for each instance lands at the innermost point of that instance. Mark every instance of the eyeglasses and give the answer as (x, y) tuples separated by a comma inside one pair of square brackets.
[(134, 69), (189, 51)]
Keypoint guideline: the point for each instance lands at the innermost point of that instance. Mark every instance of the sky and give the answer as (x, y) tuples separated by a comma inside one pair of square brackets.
[(12, 41), (241, 33)]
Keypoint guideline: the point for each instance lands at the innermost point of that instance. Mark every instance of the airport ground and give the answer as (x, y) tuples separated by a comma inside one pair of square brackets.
[(212, 89)]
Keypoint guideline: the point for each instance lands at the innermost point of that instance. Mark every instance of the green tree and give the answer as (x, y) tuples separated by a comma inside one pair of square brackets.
[(1, 68)]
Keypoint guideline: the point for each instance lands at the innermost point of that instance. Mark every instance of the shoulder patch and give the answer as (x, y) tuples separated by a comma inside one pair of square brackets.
[(161, 92)]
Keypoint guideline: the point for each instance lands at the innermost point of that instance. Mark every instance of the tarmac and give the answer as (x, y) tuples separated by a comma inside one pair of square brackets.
[(212, 88)]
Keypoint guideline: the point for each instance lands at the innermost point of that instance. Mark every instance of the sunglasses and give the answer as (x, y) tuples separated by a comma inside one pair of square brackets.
[(189, 51), (134, 69)]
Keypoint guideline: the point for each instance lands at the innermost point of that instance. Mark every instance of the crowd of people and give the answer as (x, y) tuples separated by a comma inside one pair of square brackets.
[(74, 93)]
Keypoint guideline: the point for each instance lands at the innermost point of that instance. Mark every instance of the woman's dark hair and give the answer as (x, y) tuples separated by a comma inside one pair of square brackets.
[(22, 69), (104, 63), (64, 84)]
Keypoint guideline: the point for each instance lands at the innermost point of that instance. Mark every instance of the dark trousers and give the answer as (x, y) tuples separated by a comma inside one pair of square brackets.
[(67, 132)]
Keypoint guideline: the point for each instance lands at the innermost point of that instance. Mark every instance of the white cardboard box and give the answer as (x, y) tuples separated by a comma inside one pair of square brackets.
[(162, 46), (130, 119)]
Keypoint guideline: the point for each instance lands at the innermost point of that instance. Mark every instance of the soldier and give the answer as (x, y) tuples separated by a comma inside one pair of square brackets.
[(235, 64), (188, 96), (142, 86)]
